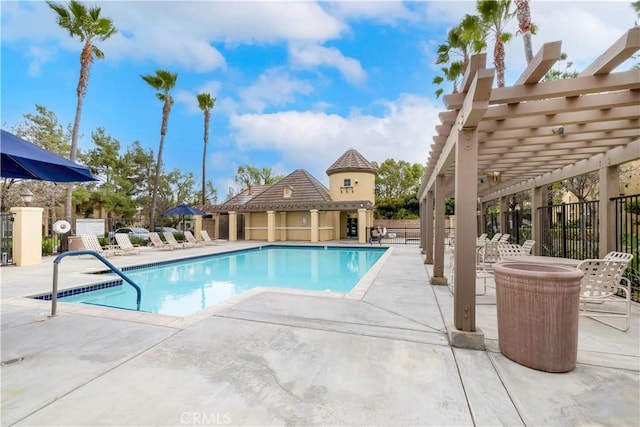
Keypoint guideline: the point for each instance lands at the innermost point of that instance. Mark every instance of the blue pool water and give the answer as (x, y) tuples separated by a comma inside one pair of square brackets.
[(184, 287)]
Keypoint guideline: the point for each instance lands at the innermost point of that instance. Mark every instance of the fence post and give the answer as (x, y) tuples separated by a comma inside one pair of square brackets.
[(563, 215)]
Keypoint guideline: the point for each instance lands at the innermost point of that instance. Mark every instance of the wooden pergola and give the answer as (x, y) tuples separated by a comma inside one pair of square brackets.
[(526, 136)]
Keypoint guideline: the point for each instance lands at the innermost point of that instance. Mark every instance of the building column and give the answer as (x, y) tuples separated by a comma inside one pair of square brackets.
[(362, 226), (283, 226), (197, 226), (538, 200), (609, 187), (314, 226), (336, 225), (247, 226), (427, 224), (271, 226), (27, 235), (216, 230), (233, 226)]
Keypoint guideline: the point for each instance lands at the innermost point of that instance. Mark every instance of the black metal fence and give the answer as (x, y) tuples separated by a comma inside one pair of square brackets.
[(402, 236), (518, 225), (6, 238), (570, 230), (627, 220)]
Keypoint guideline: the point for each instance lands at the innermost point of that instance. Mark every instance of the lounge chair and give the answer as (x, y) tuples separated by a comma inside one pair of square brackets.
[(206, 239), (496, 237), (125, 244), (171, 239), (504, 238), (510, 250), (189, 236), (157, 242), (527, 246), (602, 280), (91, 242)]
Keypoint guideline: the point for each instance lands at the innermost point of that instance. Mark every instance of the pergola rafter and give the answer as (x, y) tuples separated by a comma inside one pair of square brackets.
[(528, 135)]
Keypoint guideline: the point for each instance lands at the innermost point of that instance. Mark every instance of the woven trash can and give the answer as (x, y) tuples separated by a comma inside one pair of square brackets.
[(538, 308)]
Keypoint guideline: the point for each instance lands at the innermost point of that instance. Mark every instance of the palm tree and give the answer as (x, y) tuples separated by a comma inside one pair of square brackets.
[(463, 41), (525, 27), (494, 17), (89, 27), (206, 103), (163, 81)]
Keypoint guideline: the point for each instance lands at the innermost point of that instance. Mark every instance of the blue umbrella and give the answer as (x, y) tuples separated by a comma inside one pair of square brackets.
[(24, 160), (183, 209)]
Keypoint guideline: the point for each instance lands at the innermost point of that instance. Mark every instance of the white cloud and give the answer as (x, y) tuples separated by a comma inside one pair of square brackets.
[(38, 57), (189, 97), (179, 33), (387, 12), (314, 140), (275, 87), (312, 56)]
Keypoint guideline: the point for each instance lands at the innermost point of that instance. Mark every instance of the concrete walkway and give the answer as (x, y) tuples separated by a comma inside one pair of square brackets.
[(278, 358)]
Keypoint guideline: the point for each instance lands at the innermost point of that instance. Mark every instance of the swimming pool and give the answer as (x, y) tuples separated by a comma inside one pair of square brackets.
[(183, 287)]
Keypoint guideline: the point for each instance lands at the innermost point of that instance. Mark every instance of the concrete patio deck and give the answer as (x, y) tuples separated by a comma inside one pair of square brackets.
[(294, 358)]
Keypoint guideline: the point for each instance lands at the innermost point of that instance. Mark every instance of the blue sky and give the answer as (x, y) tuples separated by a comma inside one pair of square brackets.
[(297, 83)]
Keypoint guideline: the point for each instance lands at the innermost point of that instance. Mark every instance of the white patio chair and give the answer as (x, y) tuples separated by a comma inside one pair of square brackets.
[(527, 246), (171, 239), (488, 255), (601, 282), (157, 242), (480, 273), (91, 242), (510, 250), (125, 244), (482, 236), (206, 239), (189, 236), (504, 238), (496, 237), (619, 256)]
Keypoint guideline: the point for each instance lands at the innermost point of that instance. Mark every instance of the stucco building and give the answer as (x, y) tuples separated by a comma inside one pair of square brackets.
[(300, 208)]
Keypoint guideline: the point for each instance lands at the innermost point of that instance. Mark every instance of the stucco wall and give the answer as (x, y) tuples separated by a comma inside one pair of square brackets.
[(364, 189)]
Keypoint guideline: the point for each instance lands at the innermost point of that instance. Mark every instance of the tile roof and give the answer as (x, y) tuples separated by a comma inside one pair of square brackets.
[(246, 195), (351, 161), (305, 188)]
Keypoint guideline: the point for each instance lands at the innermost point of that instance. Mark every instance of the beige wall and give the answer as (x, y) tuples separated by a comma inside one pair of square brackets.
[(27, 236), (364, 189)]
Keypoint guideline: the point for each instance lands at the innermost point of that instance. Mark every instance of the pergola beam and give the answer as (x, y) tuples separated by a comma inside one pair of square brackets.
[(619, 52), (614, 157), (548, 55), (556, 89)]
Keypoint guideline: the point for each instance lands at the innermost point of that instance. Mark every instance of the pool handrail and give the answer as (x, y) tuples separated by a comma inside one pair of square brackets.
[(56, 262)]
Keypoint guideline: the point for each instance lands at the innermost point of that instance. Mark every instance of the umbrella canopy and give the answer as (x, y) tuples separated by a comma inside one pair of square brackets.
[(24, 160), (183, 209)]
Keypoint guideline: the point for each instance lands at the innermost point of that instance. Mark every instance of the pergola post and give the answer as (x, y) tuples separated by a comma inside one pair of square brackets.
[(504, 210), (427, 226), (438, 250), (538, 200), (609, 187), (464, 309)]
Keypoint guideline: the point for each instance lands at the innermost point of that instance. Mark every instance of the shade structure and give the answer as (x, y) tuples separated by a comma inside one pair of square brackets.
[(24, 160), (183, 209)]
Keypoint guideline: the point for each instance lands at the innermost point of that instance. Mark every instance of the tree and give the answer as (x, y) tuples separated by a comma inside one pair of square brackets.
[(524, 26), (463, 41), (89, 27), (561, 72), (206, 103), (163, 81), (42, 129), (494, 16), (397, 179), (247, 176)]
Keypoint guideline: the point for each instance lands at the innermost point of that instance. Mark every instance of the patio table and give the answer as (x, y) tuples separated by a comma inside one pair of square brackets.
[(544, 260)]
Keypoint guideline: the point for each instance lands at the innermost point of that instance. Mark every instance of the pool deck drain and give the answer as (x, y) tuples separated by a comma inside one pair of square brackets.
[(275, 358)]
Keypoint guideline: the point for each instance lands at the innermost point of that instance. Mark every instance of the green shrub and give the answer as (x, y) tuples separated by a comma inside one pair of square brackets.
[(48, 245)]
